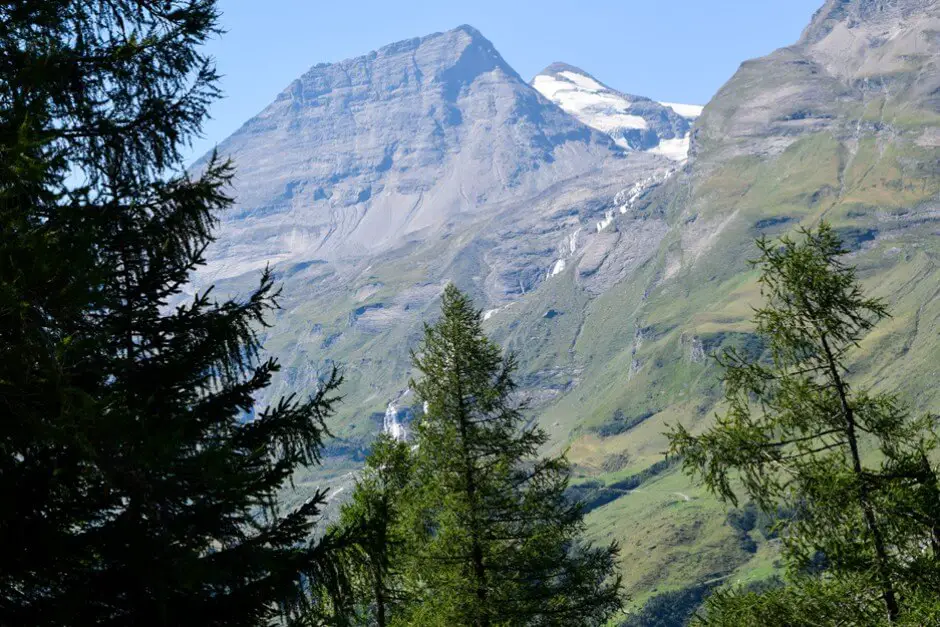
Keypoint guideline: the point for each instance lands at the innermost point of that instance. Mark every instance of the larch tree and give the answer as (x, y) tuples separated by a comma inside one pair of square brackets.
[(492, 537), (853, 465), (374, 516)]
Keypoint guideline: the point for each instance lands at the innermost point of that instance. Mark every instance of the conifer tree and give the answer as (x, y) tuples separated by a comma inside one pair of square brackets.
[(139, 480), (852, 464), (492, 539)]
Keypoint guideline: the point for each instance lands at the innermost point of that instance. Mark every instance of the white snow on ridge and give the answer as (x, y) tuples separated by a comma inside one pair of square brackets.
[(582, 81), (685, 110), (589, 101), (489, 313), (612, 122), (549, 86), (609, 111)]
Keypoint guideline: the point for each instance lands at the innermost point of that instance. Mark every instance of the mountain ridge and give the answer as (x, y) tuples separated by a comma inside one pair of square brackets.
[(406, 125)]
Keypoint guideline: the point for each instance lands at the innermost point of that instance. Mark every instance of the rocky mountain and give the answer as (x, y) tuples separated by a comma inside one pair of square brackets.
[(634, 122), (843, 125), (372, 182), (612, 271), (357, 158)]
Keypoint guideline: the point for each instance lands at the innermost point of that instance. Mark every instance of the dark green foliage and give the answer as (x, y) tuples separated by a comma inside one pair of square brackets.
[(855, 238), (743, 522), (137, 476), (634, 481), (484, 533), (749, 345), (749, 518), (744, 519), (593, 493), (670, 609), (851, 465), (769, 523), (811, 601), (621, 423)]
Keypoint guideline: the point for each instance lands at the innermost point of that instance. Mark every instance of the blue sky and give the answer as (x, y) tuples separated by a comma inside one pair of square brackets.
[(678, 51)]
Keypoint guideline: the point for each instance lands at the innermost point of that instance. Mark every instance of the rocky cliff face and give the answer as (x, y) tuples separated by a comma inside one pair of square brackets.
[(359, 157), (856, 56)]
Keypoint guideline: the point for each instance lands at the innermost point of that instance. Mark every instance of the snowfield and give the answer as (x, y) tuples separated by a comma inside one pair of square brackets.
[(589, 101), (685, 110), (613, 113), (675, 149)]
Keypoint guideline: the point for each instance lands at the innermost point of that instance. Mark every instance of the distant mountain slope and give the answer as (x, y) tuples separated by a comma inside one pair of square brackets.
[(844, 125), (611, 273), (372, 182), (634, 122)]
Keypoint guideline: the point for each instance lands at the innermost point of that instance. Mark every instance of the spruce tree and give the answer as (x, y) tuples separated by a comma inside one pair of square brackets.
[(138, 478), (492, 538), (852, 464)]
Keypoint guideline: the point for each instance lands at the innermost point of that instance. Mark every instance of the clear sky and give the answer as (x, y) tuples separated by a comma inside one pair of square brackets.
[(675, 50)]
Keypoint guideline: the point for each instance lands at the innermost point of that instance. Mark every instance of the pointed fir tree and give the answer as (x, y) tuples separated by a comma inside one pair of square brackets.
[(491, 537), (139, 479), (852, 464)]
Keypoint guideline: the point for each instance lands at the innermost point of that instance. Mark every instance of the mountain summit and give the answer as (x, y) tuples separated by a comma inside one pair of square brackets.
[(362, 155), (373, 182)]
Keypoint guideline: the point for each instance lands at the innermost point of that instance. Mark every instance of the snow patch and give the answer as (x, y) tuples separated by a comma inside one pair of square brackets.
[(609, 122), (557, 268), (589, 101), (608, 219), (573, 242), (685, 110), (489, 313), (676, 149), (582, 81)]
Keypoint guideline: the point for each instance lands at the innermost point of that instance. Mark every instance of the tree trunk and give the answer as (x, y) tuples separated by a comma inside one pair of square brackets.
[(881, 554), (379, 598), (476, 550)]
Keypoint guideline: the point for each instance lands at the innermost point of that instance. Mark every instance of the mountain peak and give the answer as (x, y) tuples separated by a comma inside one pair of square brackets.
[(454, 41), (560, 67), (469, 30), (368, 152)]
